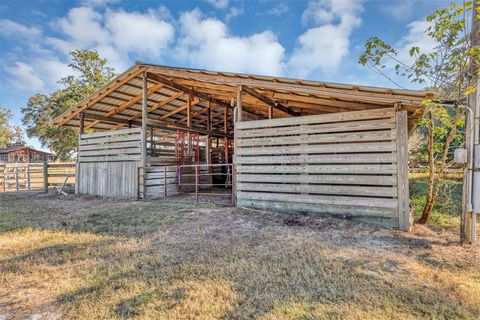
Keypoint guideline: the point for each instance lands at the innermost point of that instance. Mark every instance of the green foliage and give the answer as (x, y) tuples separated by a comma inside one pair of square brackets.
[(91, 73), (445, 213), (9, 134), (448, 68)]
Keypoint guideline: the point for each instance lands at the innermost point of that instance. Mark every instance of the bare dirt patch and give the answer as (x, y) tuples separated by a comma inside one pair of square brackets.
[(88, 258)]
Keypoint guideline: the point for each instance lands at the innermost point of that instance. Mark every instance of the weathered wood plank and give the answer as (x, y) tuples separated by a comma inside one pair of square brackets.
[(297, 207), (325, 148), (325, 169), (105, 146), (389, 180), (112, 139), (320, 158), (386, 135), (381, 124), (321, 199), (110, 158), (320, 189), (324, 118), (110, 133), (111, 152)]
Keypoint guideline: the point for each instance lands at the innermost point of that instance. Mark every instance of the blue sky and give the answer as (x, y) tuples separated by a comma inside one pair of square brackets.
[(318, 39)]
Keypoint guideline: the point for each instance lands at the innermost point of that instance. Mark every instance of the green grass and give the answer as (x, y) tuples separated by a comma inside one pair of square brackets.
[(447, 208), (91, 258)]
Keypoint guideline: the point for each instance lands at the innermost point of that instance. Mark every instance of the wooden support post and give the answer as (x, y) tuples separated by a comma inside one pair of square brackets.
[(189, 125), (270, 112), (239, 103), (5, 179), (196, 183), (16, 178), (404, 216), (82, 123), (165, 183), (28, 177), (144, 134), (45, 177)]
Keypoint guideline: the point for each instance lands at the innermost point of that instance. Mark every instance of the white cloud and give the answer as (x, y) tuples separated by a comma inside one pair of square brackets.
[(233, 12), (206, 43), (322, 48), (279, 9), (219, 4), (142, 33), (83, 26), (9, 28), (399, 10), (24, 76), (115, 34), (100, 3), (416, 37)]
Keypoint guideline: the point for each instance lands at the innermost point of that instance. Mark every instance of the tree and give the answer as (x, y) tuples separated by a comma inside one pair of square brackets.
[(91, 72), (447, 70), (9, 134)]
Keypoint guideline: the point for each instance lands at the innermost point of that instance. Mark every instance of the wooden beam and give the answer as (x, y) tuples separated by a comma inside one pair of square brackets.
[(185, 89), (154, 123), (181, 108), (130, 102), (154, 107), (100, 95), (269, 101)]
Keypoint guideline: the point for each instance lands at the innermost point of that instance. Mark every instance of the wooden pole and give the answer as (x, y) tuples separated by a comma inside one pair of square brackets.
[(82, 123), (16, 178), (144, 133), (165, 183), (471, 183), (196, 183), (404, 216), (239, 103), (270, 112), (45, 177), (189, 125), (28, 177)]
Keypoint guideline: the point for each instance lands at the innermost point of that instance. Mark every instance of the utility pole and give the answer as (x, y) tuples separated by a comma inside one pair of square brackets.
[(471, 180)]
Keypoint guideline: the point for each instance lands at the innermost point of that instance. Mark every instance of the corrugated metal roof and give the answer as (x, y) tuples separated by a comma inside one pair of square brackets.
[(124, 93)]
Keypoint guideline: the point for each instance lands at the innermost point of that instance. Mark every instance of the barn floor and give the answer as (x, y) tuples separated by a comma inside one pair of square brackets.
[(90, 258)]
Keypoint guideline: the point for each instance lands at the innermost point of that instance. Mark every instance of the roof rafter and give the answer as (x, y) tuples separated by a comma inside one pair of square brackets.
[(103, 93), (127, 104), (268, 101)]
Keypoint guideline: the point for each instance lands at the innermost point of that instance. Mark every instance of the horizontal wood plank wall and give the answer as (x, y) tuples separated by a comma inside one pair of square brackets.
[(108, 163), (341, 164), (155, 181)]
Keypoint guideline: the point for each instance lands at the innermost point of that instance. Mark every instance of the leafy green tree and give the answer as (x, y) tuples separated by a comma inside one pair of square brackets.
[(9, 134), (90, 72), (449, 69)]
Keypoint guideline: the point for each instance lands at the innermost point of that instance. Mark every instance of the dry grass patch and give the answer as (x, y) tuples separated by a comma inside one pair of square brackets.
[(88, 258)]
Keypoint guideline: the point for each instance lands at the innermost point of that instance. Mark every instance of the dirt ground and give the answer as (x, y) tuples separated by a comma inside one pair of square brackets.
[(67, 257)]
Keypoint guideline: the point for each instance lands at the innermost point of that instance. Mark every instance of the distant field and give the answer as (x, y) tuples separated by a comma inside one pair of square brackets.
[(88, 258)]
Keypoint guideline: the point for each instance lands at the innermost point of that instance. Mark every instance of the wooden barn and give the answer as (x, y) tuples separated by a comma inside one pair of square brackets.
[(280, 144)]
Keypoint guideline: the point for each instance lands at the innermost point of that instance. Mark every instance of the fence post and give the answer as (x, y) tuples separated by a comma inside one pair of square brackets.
[(165, 183), (28, 177), (16, 178), (45, 176), (196, 183)]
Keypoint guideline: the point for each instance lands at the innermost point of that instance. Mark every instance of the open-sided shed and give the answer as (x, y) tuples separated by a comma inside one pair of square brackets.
[(295, 145)]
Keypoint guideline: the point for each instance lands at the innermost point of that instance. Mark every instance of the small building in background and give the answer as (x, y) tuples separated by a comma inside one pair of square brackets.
[(19, 153)]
